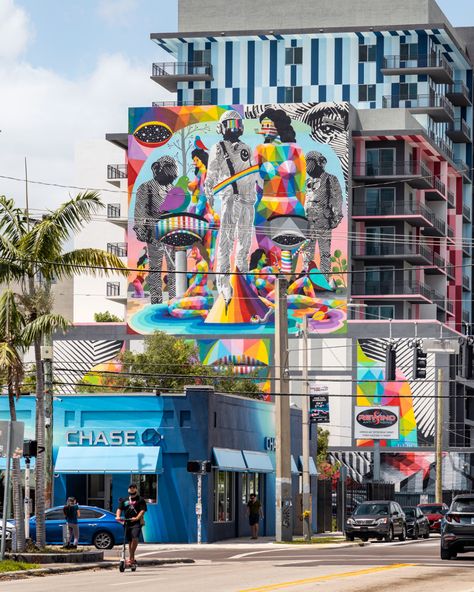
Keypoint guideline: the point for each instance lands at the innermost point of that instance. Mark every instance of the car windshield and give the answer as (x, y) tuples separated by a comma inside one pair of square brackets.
[(431, 509), (371, 509), (409, 512), (463, 505)]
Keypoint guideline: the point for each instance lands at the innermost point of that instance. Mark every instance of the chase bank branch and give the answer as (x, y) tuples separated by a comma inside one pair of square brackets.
[(103, 442)]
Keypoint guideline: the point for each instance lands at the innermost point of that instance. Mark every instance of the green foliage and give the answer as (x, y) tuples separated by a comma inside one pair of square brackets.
[(9, 565), (340, 268), (106, 317), (325, 469)]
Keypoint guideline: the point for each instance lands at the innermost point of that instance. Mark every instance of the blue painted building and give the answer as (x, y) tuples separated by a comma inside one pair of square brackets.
[(103, 442)]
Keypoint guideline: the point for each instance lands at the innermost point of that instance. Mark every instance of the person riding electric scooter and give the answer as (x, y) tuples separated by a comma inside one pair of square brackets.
[(134, 509)]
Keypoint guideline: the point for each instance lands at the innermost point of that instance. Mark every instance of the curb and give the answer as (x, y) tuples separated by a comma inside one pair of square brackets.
[(44, 571)]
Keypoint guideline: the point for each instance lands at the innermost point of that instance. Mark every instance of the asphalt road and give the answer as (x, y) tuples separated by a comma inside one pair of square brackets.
[(378, 567)]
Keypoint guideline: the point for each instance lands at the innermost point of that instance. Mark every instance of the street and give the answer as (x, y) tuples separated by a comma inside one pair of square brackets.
[(405, 567)]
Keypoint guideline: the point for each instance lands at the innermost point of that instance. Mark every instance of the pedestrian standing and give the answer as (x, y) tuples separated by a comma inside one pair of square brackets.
[(255, 512), (72, 513)]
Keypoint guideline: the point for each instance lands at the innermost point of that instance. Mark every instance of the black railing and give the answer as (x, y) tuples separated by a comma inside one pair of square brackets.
[(113, 211), (466, 248), (369, 288), (458, 88), (118, 249), (418, 102), (451, 199), (432, 60), (450, 231), (442, 145), (459, 125), (439, 261), (182, 69), (116, 171), (462, 167), (439, 185), (181, 103), (451, 270), (466, 317), (382, 249), (414, 168), (113, 289), (466, 212), (449, 306), (466, 282)]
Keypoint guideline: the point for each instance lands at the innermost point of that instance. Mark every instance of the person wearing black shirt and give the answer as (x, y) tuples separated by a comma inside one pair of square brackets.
[(133, 509)]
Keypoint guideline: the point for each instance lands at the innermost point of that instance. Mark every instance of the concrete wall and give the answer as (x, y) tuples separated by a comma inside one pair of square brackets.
[(214, 15)]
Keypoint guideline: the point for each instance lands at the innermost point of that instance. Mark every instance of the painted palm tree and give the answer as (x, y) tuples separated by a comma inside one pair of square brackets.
[(33, 253)]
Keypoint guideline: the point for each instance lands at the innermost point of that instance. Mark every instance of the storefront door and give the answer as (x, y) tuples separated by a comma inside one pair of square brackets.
[(99, 491)]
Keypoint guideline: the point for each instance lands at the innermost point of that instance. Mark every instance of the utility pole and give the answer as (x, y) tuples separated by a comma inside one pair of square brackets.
[(47, 357), (305, 437), (283, 500), (439, 440)]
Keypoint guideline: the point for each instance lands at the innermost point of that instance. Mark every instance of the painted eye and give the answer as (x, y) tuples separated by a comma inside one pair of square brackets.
[(153, 134)]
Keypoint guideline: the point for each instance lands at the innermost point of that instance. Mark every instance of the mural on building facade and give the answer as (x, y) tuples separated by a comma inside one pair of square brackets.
[(223, 198), (414, 398)]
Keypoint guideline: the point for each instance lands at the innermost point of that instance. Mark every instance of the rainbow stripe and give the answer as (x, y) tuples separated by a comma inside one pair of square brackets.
[(240, 175)]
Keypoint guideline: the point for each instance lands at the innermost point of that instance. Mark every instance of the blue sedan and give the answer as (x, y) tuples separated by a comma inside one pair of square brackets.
[(97, 527)]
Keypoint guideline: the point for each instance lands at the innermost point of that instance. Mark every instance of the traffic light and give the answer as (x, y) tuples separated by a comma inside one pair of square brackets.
[(391, 364), (419, 363), (466, 360)]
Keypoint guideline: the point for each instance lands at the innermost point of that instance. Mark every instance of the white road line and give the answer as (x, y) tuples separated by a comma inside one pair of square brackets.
[(138, 581), (259, 552)]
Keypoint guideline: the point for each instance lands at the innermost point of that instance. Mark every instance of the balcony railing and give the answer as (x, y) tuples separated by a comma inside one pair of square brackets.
[(182, 69), (449, 307), (369, 288), (459, 131), (439, 185), (113, 211), (392, 169), (118, 249), (451, 199), (420, 103), (439, 261), (387, 249), (391, 209), (451, 270), (113, 289), (466, 282), (181, 103), (435, 65), (463, 168), (466, 248), (458, 94), (466, 317), (450, 231), (116, 171), (442, 145), (466, 212)]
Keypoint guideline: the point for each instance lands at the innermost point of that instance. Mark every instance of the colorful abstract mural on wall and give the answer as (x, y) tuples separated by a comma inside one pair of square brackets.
[(414, 398), (223, 198)]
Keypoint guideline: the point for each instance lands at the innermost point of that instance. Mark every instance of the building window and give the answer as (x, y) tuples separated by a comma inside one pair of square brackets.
[(252, 483), (366, 92), (380, 201), (408, 91), (379, 280), (147, 486), (223, 496), (380, 240), (202, 56), (408, 52), (380, 161), (293, 94), (202, 96), (293, 55), (367, 53), (382, 313)]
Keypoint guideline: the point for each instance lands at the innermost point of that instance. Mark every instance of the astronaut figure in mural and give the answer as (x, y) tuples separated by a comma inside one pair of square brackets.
[(227, 158), (148, 208), (323, 207)]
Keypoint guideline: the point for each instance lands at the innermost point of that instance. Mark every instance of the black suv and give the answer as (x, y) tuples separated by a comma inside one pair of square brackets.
[(382, 520), (457, 527)]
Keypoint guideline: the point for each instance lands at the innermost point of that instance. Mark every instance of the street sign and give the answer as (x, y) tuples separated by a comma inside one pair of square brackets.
[(17, 436), (319, 404), (376, 423)]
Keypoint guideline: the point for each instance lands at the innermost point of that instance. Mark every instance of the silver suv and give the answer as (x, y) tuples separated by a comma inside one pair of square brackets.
[(378, 519)]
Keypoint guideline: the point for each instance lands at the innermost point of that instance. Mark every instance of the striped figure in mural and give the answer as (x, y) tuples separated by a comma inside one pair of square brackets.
[(227, 159), (323, 209), (151, 196)]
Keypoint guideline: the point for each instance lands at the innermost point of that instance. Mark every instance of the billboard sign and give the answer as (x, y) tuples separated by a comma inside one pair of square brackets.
[(319, 404), (376, 423)]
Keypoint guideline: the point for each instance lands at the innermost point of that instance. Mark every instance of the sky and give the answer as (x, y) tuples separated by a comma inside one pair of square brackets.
[(69, 70)]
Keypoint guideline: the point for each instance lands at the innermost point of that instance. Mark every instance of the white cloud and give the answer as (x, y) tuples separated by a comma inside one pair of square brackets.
[(44, 115), (115, 12), (15, 30)]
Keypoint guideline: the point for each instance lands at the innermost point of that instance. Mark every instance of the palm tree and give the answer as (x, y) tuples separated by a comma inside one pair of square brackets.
[(33, 254)]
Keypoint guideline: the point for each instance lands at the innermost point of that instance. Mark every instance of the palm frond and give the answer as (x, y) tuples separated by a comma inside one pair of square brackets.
[(12, 220), (72, 216), (94, 262), (12, 321), (44, 325)]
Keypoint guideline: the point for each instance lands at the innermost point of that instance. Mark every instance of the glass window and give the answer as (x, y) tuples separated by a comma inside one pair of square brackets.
[(380, 201), (224, 483), (366, 92), (88, 514), (367, 53), (293, 55), (408, 91), (147, 486), (202, 56), (371, 509), (380, 161), (408, 51), (374, 313), (293, 94), (202, 96), (380, 240), (55, 515)]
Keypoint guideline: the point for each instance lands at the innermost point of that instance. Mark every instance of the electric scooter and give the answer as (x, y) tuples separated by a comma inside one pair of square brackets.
[(123, 554)]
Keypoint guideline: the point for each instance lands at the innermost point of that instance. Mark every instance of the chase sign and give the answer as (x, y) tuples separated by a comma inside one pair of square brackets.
[(149, 437)]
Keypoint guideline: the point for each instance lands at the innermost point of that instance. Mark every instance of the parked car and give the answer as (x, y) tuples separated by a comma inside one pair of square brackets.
[(434, 513), (457, 527), (416, 522), (379, 519), (97, 527)]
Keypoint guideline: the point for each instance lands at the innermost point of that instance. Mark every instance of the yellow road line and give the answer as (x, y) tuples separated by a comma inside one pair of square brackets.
[(347, 574)]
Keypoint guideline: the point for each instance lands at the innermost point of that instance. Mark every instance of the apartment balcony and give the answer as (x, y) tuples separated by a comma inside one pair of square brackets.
[(466, 283), (168, 74), (413, 291), (112, 292), (432, 65), (451, 198), (179, 103), (118, 139), (449, 307), (464, 170), (440, 300), (466, 247), (439, 266), (458, 94), (416, 215), (416, 173), (466, 317), (116, 172), (450, 233), (114, 215), (415, 253), (466, 213), (441, 145), (450, 271), (459, 132), (118, 249), (436, 106)]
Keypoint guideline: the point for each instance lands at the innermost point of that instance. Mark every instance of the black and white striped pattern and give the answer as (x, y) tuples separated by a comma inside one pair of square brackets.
[(423, 391), (358, 464), (72, 359)]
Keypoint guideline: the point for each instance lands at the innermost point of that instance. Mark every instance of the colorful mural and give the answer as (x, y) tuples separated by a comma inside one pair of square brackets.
[(414, 398), (223, 198)]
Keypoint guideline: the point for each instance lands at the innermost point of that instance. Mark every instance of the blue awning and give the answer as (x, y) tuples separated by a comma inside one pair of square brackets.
[(3, 464), (229, 460), (109, 459), (312, 467), (294, 468), (259, 462)]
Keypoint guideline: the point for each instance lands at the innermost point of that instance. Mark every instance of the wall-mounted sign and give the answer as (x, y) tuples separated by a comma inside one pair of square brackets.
[(16, 438), (376, 423), (149, 437), (319, 403)]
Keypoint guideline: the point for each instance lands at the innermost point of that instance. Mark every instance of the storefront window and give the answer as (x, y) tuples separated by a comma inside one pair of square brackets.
[(223, 496), (147, 486), (252, 483)]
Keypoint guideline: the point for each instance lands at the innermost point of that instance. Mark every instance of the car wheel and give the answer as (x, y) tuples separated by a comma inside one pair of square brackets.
[(416, 533), (389, 536), (349, 537), (403, 535), (427, 534), (364, 539), (103, 540), (445, 553)]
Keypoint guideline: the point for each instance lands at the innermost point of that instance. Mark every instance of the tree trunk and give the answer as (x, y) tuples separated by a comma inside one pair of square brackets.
[(18, 509), (40, 458)]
